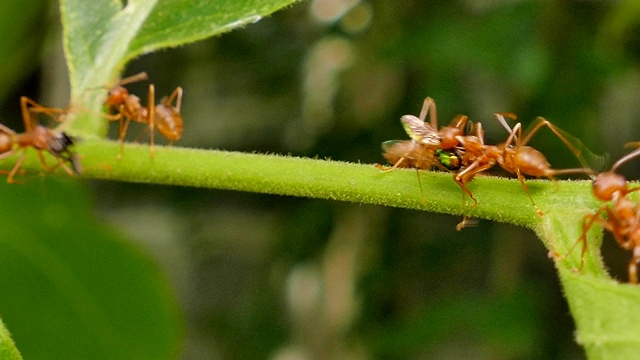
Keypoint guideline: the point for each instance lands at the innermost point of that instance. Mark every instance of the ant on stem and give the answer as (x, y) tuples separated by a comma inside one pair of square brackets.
[(165, 116), (622, 218), (39, 138), (514, 156)]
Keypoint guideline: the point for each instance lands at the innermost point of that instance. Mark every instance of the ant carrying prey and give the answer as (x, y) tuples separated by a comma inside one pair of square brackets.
[(165, 116), (39, 138), (622, 216)]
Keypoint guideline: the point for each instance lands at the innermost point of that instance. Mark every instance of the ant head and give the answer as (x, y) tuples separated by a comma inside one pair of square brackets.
[(449, 135), (117, 96), (607, 184)]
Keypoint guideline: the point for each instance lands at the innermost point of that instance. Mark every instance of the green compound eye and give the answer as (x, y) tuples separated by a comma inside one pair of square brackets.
[(449, 160)]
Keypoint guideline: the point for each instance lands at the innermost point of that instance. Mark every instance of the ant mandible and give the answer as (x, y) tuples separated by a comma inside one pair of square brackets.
[(622, 219), (39, 138), (514, 156), (164, 115)]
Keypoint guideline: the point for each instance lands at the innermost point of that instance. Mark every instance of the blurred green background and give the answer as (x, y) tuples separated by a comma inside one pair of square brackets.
[(259, 276)]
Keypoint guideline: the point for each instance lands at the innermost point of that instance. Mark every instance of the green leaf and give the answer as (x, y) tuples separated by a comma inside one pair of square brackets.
[(72, 289), (8, 350), (97, 35), (178, 22), (100, 36)]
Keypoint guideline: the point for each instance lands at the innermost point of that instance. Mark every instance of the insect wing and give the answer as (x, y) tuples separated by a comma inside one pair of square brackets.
[(420, 131), (390, 144)]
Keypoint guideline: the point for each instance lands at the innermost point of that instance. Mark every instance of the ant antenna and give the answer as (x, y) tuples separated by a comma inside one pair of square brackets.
[(133, 78), (128, 80), (627, 157)]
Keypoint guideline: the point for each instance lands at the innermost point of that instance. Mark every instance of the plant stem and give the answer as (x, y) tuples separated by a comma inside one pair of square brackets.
[(604, 309)]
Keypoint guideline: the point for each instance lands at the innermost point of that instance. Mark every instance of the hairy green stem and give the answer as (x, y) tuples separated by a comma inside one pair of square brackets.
[(605, 311)]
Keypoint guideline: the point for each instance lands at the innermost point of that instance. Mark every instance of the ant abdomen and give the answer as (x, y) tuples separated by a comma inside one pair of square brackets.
[(531, 162), (169, 122)]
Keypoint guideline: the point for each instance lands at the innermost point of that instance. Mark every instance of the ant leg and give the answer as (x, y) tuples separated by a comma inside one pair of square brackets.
[(122, 132), (587, 223), (43, 161), (553, 172), (578, 149), (37, 108), (465, 223), (29, 106), (7, 154), (513, 137), (64, 166), (175, 95), (15, 168), (633, 265), (538, 123), (112, 117), (479, 131), (6, 130), (152, 113), (526, 189), (26, 116), (429, 103), (461, 179), (465, 176)]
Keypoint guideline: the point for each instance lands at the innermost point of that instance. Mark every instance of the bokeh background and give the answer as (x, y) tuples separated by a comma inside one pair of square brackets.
[(258, 276)]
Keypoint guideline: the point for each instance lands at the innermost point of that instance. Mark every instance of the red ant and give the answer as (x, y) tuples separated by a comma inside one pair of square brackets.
[(622, 219), (164, 115), (514, 156), (39, 138)]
